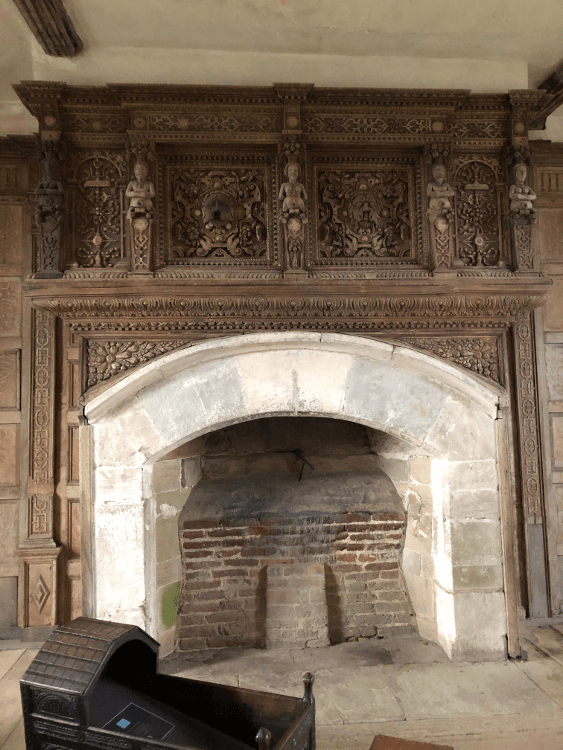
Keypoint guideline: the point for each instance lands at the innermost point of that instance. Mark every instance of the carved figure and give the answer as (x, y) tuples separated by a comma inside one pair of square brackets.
[(520, 194), (293, 194), (140, 191), (439, 193), (49, 211)]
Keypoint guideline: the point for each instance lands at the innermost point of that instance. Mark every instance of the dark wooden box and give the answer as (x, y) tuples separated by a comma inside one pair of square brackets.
[(95, 684)]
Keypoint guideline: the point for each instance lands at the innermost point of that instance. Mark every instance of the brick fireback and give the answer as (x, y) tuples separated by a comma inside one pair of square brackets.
[(226, 584)]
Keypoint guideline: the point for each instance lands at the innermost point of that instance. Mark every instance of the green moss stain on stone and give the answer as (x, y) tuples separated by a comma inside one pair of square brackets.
[(171, 603)]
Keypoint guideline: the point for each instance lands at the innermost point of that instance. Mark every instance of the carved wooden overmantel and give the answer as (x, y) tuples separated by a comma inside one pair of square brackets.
[(169, 214)]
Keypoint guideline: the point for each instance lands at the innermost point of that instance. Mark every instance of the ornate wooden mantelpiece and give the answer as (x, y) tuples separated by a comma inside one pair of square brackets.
[(168, 214)]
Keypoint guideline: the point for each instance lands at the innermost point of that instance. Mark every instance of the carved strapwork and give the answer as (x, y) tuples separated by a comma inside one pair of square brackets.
[(293, 198), (440, 206), (49, 208)]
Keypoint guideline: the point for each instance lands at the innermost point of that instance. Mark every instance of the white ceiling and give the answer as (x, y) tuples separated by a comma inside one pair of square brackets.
[(480, 44)]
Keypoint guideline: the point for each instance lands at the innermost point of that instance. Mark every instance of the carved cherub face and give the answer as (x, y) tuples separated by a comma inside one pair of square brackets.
[(521, 172), (293, 172), (140, 171), (439, 172)]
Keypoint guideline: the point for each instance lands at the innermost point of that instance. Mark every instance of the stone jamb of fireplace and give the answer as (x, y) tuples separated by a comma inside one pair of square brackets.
[(415, 397)]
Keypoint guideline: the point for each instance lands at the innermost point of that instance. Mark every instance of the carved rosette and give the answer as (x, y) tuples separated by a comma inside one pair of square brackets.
[(293, 199), (49, 211)]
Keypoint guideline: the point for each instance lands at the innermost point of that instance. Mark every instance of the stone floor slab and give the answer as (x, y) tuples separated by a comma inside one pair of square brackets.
[(454, 690), (8, 659)]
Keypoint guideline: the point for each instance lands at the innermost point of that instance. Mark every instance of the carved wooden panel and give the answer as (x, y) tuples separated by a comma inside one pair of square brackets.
[(97, 178), (366, 214), (479, 208), (219, 213)]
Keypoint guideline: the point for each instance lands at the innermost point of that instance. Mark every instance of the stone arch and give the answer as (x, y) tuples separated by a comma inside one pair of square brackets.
[(409, 394)]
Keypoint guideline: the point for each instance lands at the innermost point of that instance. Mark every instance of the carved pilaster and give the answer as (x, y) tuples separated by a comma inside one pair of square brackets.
[(440, 206), (50, 209), (41, 459), (293, 198), (530, 463)]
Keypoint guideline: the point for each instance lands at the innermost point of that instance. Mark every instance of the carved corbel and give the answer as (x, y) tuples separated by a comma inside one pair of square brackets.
[(293, 197), (140, 210), (440, 206), (50, 206), (292, 95)]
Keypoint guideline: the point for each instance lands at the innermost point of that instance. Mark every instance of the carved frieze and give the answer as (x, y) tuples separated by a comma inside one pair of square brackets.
[(207, 122), (365, 216), (98, 179), (346, 306), (218, 215), (366, 124), (478, 210)]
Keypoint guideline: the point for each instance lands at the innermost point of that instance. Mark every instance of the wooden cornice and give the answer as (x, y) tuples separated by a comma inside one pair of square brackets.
[(51, 26)]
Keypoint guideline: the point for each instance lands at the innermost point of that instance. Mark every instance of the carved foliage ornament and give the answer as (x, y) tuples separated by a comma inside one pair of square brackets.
[(217, 216), (364, 215), (257, 306), (108, 358), (478, 354)]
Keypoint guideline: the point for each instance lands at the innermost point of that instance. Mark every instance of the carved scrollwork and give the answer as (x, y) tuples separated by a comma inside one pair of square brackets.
[(217, 216), (98, 209), (366, 124), (109, 358), (364, 215), (213, 123)]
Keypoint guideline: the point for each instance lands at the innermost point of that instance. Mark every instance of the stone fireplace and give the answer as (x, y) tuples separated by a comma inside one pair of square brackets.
[(428, 424)]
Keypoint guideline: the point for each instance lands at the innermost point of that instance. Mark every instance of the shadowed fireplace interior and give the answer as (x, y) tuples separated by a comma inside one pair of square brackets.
[(291, 534)]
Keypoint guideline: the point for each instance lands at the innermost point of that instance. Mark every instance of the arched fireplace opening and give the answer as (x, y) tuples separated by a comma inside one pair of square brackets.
[(293, 535), (439, 444)]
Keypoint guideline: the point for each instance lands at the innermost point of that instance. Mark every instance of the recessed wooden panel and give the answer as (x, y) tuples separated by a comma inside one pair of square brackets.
[(9, 455), (10, 307), (554, 361), (74, 528), (75, 598), (73, 457), (9, 526), (557, 440), (550, 233), (10, 234), (10, 380)]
